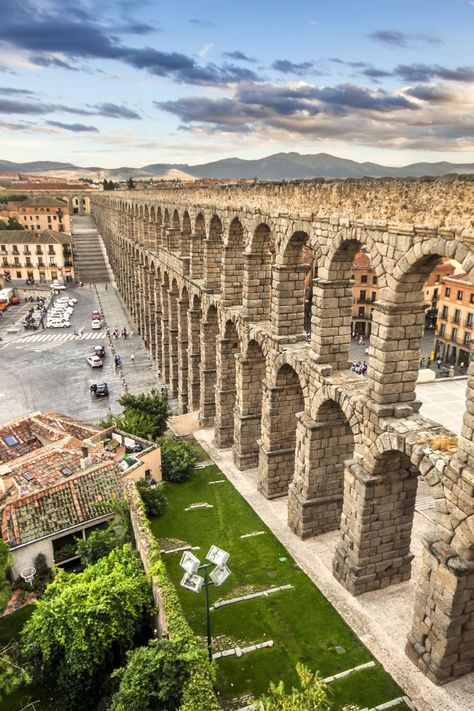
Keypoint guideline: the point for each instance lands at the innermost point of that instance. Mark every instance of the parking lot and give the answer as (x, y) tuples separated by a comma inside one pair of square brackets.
[(46, 369)]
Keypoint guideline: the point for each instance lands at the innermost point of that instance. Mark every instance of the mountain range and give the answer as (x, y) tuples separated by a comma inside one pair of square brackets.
[(280, 166)]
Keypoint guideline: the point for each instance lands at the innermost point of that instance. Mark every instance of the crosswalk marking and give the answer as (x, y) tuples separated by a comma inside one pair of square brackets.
[(63, 337)]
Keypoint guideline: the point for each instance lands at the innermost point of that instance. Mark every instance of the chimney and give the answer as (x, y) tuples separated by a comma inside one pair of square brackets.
[(86, 460)]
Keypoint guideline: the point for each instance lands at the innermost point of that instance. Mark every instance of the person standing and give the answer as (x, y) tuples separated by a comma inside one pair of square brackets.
[(132, 358)]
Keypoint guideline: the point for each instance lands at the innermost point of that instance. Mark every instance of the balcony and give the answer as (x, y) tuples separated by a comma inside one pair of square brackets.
[(365, 301), (26, 251)]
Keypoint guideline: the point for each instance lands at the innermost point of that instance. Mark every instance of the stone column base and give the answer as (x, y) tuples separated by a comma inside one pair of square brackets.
[(310, 517), (245, 460), (276, 470), (246, 436), (374, 575), (441, 641)]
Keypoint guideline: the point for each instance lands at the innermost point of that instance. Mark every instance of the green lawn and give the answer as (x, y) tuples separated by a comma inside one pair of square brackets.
[(301, 622)]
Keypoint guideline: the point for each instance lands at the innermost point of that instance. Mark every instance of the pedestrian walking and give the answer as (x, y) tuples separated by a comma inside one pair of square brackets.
[(106, 286), (132, 358), (439, 363)]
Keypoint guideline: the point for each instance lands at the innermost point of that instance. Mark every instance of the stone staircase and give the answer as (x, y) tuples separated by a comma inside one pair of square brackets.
[(89, 259)]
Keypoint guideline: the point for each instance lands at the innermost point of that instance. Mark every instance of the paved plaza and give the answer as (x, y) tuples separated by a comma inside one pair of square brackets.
[(46, 369)]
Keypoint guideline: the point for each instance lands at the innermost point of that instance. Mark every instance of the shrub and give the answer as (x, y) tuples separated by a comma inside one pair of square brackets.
[(5, 563), (312, 694), (178, 458), (153, 497), (97, 545)]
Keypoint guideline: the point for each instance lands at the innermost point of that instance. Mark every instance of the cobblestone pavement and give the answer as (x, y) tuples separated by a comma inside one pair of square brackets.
[(381, 619)]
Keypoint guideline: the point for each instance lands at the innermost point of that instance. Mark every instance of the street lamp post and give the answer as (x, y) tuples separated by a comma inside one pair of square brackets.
[(194, 582)]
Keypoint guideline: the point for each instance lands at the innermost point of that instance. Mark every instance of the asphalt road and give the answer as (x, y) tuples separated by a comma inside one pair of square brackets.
[(47, 370)]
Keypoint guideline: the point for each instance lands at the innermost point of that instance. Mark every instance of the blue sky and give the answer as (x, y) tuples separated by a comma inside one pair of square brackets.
[(115, 83)]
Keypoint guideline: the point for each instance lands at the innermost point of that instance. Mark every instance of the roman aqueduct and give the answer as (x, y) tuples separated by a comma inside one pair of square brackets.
[(214, 278)]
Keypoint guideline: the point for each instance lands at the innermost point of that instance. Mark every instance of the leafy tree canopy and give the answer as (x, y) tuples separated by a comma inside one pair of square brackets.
[(97, 545), (145, 415), (5, 563), (12, 224), (153, 497), (153, 678), (85, 622), (131, 184), (178, 458)]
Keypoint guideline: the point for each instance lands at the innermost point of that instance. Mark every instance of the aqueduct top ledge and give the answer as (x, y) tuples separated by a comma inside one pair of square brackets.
[(425, 203)]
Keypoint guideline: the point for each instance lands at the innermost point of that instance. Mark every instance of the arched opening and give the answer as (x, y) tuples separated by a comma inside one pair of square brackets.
[(196, 268), (227, 351), (233, 265), (282, 402), (158, 228), (213, 256), (166, 228), (290, 279), (194, 354), (209, 332), (165, 334), (183, 335), (173, 338), (316, 493), (156, 333), (258, 261), (248, 417), (185, 241)]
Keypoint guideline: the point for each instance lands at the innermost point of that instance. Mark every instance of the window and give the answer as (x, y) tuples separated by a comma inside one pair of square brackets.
[(435, 293), (447, 291), (361, 312), (14, 249), (457, 316), (363, 295), (28, 262), (18, 275), (459, 296), (469, 319), (4, 249), (5, 261), (437, 278), (374, 296), (11, 440), (363, 279), (466, 339), (27, 476), (454, 334), (444, 312), (472, 299), (374, 280)]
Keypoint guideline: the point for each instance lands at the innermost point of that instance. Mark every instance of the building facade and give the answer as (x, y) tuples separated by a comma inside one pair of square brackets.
[(455, 324), (215, 280), (36, 258), (44, 213)]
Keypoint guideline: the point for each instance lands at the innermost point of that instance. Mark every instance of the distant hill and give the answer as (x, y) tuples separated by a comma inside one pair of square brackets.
[(280, 166)]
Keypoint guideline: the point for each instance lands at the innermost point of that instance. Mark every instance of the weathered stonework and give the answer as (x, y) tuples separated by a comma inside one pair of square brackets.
[(214, 279)]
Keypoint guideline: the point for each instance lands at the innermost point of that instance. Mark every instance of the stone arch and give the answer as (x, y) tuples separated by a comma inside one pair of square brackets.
[(194, 352), (324, 444), (165, 334), (228, 349), (283, 401), (209, 334), (213, 249), (173, 337), (185, 241), (290, 276), (258, 261), (196, 266), (232, 265), (183, 361), (176, 221), (251, 370)]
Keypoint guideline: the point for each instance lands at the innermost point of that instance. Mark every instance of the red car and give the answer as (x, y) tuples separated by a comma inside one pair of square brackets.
[(14, 301), (96, 315)]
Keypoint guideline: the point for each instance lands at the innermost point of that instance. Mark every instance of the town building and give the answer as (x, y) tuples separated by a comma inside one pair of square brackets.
[(365, 290), (454, 330), (58, 479), (44, 213), (39, 257)]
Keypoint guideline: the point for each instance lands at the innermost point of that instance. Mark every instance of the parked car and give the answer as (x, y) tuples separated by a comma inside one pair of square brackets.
[(14, 301), (96, 315), (99, 389), (95, 324), (58, 324), (99, 351), (94, 361)]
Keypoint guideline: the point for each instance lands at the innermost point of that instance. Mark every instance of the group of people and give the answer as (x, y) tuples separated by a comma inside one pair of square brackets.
[(359, 367), (124, 333)]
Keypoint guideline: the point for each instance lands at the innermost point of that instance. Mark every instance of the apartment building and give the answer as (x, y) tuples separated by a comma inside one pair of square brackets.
[(455, 324), (44, 213), (365, 291), (40, 257)]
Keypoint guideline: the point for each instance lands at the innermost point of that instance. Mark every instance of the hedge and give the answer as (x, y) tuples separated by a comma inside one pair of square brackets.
[(198, 693)]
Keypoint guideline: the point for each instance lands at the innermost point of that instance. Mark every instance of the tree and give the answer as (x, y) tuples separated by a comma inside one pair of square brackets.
[(153, 497), (84, 623), (145, 415), (108, 184), (12, 673), (311, 696), (12, 224), (5, 564), (153, 678), (178, 458), (131, 184), (97, 545)]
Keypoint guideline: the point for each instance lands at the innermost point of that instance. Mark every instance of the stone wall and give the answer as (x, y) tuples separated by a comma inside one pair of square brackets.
[(215, 280)]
